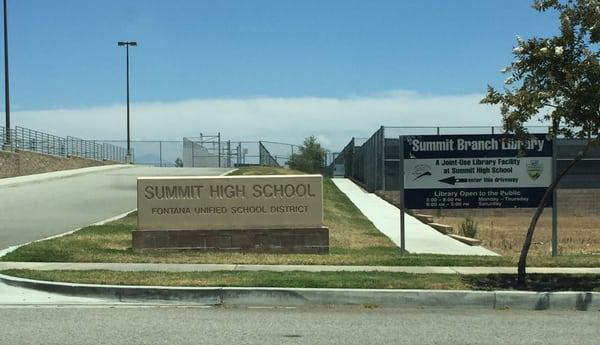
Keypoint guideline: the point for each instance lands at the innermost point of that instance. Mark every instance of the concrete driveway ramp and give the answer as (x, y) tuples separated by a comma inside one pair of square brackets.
[(48, 204)]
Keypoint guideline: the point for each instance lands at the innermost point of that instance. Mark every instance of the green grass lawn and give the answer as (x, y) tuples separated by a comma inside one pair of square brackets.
[(296, 279), (353, 241)]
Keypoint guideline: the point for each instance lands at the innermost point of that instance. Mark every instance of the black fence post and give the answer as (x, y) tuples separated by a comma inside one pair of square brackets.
[(229, 153), (382, 161)]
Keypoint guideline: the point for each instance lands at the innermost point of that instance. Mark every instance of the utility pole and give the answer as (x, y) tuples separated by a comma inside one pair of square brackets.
[(7, 138)]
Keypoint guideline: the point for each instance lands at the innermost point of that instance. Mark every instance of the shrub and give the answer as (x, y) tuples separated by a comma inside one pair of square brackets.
[(311, 157), (469, 227)]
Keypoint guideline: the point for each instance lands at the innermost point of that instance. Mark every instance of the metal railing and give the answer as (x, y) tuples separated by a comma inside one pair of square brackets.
[(94, 150), (26, 139), (6, 136), (40, 142)]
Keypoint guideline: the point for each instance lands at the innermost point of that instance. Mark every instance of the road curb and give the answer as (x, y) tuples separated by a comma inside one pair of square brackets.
[(122, 293), (365, 297), (257, 296)]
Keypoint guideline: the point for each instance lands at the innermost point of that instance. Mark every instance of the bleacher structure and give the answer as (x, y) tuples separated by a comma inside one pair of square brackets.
[(213, 151)]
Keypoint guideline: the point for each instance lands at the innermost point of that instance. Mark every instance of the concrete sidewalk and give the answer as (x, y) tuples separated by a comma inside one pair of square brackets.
[(140, 267), (420, 238)]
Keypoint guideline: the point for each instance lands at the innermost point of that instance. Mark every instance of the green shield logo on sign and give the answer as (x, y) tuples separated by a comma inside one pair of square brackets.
[(534, 169)]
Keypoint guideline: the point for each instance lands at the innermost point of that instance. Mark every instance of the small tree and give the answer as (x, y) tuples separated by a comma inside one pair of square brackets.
[(310, 157), (557, 80)]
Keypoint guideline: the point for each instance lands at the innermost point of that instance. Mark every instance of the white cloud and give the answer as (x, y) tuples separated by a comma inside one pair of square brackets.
[(333, 120)]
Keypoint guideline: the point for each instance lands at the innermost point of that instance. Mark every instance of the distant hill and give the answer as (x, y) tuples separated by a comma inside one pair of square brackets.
[(148, 159)]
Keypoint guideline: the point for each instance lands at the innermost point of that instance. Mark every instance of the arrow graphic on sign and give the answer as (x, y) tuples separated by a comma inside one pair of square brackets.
[(452, 180)]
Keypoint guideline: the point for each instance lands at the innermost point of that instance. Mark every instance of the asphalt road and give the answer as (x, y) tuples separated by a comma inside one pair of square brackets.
[(170, 325), (37, 210)]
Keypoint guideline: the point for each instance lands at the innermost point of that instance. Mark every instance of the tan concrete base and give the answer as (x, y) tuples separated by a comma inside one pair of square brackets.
[(306, 240)]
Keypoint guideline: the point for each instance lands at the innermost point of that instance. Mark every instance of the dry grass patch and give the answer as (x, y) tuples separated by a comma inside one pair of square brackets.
[(504, 234), (503, 230)]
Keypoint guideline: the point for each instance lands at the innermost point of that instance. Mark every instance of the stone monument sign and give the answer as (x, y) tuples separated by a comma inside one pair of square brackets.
[(281, 213)]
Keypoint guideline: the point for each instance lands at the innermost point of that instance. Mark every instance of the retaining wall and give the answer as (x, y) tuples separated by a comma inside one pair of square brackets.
[(26, 163)]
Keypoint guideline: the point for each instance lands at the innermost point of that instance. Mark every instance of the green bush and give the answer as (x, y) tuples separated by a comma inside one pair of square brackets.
[(311, 157), (469, 227)]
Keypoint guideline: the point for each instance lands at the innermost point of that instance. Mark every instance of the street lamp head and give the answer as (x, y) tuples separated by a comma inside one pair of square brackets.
[(132, 43)]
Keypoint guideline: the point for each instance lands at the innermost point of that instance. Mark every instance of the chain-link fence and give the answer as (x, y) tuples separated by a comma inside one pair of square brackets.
[(203, 151), (237, 153), (207, 151), (375, 161)]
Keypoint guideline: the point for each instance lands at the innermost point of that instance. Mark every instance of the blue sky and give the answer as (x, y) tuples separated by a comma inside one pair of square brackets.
[(63, 53)]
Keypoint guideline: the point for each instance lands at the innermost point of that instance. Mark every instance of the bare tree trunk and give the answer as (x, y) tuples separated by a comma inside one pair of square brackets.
[(521, 274)]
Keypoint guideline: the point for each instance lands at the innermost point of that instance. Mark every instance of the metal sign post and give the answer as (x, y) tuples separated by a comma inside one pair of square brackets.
[(382, 160), (401, 188), (554, 202)]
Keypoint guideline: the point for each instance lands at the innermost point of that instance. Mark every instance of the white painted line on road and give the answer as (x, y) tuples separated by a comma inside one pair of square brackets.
[(260, 307), (269, 307), (102, 222), (229, 172), (5, 251)]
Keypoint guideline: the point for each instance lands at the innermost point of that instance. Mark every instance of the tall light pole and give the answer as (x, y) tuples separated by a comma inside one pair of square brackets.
[(127, 44), (7, 138)]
